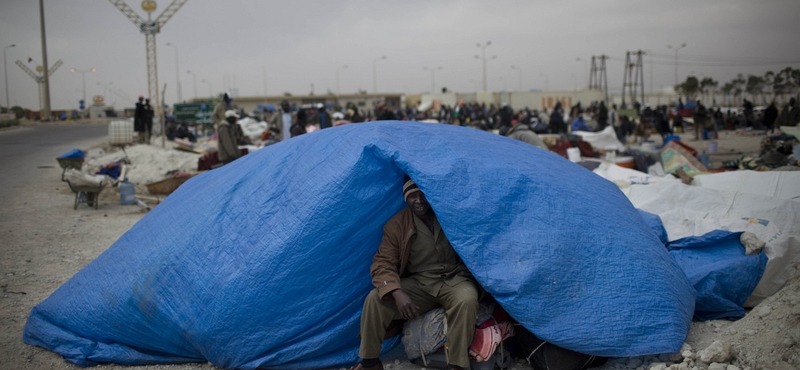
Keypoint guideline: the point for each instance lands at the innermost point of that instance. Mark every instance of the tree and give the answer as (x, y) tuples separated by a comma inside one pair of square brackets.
[(754, 85), (708, 85), (689, 88), (727, 89)]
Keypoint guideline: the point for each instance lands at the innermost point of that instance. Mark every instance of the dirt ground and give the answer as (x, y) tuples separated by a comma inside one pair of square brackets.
[(46, 242)]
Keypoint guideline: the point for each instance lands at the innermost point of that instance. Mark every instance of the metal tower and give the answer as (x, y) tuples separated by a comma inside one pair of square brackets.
[(633, 78), (39, 78), (150, 28), (597, 77)]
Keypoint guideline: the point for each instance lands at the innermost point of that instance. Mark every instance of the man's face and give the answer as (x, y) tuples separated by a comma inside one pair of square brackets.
[(285, 106), (418, 204)]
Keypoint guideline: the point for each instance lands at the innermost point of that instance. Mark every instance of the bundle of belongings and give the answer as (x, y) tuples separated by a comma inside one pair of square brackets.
[(424, 342)]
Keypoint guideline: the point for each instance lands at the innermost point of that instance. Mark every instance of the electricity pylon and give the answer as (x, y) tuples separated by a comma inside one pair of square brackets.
[(597, 78), (150, 28), (633, 78), (39, 78)]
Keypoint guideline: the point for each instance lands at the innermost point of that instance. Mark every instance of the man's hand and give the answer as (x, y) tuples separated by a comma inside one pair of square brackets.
[(408, 310)]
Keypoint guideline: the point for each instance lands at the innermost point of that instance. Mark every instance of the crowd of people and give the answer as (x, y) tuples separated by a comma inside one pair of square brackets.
[(628, 123)]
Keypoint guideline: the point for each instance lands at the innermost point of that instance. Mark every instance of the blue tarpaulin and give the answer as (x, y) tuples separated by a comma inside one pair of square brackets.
[(265, 262), (720, 272)]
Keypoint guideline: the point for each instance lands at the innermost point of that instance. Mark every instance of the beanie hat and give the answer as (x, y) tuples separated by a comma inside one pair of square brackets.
[(409, 187)]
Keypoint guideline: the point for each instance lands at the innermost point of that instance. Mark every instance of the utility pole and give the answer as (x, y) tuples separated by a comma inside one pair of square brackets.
[(150, 28), (5, 71), (679, 47), (483, 59), (46, 75), (598, 80), (433, 82)]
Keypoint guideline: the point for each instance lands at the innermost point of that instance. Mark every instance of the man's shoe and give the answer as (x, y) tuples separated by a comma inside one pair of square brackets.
[(359, 366)]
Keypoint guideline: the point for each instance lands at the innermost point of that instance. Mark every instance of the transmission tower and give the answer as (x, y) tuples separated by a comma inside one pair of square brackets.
[(150, 28), (598, 79), (633, 78), (39, 78)]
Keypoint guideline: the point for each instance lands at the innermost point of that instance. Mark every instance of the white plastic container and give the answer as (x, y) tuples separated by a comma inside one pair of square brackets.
[(120, 132), (574, 154)]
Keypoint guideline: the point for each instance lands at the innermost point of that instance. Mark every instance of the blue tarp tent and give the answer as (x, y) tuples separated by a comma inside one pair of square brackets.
[(265, 262)]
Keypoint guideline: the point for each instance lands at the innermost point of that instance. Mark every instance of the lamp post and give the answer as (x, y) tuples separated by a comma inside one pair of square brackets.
[(483, 58), (5, 72), (375, 74), (83, 77), (433, 82), (177, 74), (194, 81), (210, 89), (337, 78), (520, 75), (546, 80), (676, 58), (579, 59)]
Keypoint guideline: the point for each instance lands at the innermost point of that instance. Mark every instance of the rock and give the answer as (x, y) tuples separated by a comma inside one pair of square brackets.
[(763, 311), (717, 352), (732, 367), (686, 347), (657, 366), (679, 367), (750, 332), (717, 366), (788, 342), (732, 331), (688, 355), (675, 357), (634, 362)]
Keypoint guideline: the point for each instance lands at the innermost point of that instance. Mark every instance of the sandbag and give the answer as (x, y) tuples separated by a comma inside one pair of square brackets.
[(275, 268)]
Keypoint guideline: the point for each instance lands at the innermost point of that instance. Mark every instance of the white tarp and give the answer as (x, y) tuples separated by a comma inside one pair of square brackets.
[(690, 210), (625, 177), (781, 184), (603, 140)]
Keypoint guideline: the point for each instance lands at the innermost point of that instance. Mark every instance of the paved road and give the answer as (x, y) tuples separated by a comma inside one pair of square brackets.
[(28, 153)]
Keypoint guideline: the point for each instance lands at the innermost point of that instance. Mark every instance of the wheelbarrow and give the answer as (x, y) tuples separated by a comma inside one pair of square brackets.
[(88, 194)]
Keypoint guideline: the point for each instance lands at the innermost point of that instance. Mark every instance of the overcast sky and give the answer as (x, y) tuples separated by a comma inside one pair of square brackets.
[(234, 43)]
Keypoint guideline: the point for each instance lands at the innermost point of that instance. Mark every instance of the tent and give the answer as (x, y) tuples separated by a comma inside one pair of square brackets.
[(264, 262)]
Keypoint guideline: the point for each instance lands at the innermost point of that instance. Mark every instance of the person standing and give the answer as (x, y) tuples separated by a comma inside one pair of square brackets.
[(557, 125), (228, 148), (770, 115), (148, 119), (138, 121), (283, 120), (226, 104), (700, 117), (790, 115), (602, 116)]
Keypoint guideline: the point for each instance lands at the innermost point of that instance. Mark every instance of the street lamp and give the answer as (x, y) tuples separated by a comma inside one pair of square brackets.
[(433, 83), (546, 80), (5, 72), (83, 74), (483, 58), (585, 70), (676, 59), (177, 74), (337, 78), (194, 81), (520, 75), (375, 73), (210, 90)]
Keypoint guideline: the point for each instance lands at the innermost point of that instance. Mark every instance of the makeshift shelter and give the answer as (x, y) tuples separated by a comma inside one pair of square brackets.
[(264, 262)]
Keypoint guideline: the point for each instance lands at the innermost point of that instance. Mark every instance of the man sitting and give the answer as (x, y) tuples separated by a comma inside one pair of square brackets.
[(414, 271)]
